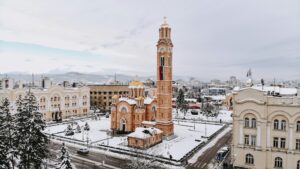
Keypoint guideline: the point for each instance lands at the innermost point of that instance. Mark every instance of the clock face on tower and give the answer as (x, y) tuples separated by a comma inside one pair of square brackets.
[(161, 49)]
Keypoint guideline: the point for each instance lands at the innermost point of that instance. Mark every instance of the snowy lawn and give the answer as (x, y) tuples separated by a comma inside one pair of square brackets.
[(184, 141), (224, 115), (186, 138)]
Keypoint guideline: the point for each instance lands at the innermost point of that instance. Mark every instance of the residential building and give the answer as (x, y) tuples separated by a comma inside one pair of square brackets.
[(101, 95)]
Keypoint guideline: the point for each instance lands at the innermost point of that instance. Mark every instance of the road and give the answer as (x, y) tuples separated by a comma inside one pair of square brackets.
[(210, 154), (93, 160)]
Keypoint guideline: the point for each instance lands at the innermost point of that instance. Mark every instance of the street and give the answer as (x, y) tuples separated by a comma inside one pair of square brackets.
[(210, 154), (91, 161)]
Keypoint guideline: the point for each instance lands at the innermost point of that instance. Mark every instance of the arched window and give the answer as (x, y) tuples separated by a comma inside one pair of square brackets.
[(278, 162), (124, 110), (298, 164), (253, 123), (298, 126), (283, 125), (153, 109), (249, 159), (276, 124), (246, 122)]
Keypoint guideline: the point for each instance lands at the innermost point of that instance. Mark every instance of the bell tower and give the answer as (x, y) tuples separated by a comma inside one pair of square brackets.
[(164, 80)]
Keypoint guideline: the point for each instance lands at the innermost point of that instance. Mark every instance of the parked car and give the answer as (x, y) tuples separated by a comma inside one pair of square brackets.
[(83, 151), (222, 153), (194, 112)]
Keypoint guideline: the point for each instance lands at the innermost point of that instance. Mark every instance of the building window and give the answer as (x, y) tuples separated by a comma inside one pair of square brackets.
[(298, 164), (282, 143), (275, 142), (246, 122), (246, 140), (278, 162), (283, 125), (297, 144), (298, 126), (249, 159), (253, 123), (253, 140), (276, 124)]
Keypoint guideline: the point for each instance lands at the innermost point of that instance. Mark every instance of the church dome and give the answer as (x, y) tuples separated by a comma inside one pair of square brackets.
[(115, 97), (139, 98), (136, 83)]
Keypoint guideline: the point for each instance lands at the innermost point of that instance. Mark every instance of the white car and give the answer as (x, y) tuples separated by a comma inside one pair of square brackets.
[(83, 151)]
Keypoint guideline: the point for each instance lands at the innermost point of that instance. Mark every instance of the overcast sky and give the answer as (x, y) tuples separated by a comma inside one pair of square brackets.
[(212, 39)]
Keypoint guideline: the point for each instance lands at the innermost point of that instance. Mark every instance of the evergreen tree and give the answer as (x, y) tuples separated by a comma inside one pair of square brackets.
[(69, 131), (86, 126), (31, 141), (78, 129), (181, 104), (7, 135), (179, 100), (65, 163), (4, 162)]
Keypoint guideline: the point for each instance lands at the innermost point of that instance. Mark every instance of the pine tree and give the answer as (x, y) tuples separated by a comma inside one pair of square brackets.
[(65, 163), (4, 162), (181, 104), (86, 126), (7, 135), (78, 129), (31, 141), (179, 100), (69, 131)]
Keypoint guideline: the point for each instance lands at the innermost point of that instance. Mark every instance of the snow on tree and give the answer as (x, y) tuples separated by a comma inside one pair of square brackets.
[(69, 131), (30, 140), (8, 151), (65, 157), (86, 126), (181, 104), (78, 129)]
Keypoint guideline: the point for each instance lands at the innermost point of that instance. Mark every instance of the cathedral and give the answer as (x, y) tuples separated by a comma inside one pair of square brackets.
[(130, 114)]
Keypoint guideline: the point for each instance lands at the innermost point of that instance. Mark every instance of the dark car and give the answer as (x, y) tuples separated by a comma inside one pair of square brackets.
[(83, 151)]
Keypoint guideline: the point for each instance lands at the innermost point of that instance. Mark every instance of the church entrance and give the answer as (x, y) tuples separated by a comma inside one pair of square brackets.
[(123, 125)]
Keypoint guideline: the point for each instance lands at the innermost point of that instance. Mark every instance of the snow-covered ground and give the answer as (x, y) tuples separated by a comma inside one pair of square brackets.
[(184, 141), (224, 115)]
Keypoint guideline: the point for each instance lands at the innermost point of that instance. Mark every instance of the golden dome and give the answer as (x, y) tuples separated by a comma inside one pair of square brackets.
[(140, 98), (115, 97), (136, 83)]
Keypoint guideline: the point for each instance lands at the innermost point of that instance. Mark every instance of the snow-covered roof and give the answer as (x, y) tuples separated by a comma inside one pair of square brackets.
[(149, 122), (217, 97), (281, 90), (128, 100), (277, 89), (148, 100), (144, 133)]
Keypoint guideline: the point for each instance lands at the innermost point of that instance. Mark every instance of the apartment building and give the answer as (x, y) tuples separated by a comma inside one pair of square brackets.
[(101, 95)]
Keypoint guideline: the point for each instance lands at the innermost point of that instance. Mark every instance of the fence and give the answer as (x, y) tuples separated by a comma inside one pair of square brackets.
[(180, 162)]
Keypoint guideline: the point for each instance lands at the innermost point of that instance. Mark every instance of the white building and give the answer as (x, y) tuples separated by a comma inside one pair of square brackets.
[(266, 128), (55, 102)]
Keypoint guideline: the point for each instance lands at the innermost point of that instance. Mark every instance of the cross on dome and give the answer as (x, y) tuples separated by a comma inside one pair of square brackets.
[(165, 24)]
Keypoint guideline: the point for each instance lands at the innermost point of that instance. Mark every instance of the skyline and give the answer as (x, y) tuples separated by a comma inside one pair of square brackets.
[(212, 40)]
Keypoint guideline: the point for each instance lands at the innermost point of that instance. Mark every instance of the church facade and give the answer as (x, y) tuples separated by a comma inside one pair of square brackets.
[(138, 110)]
